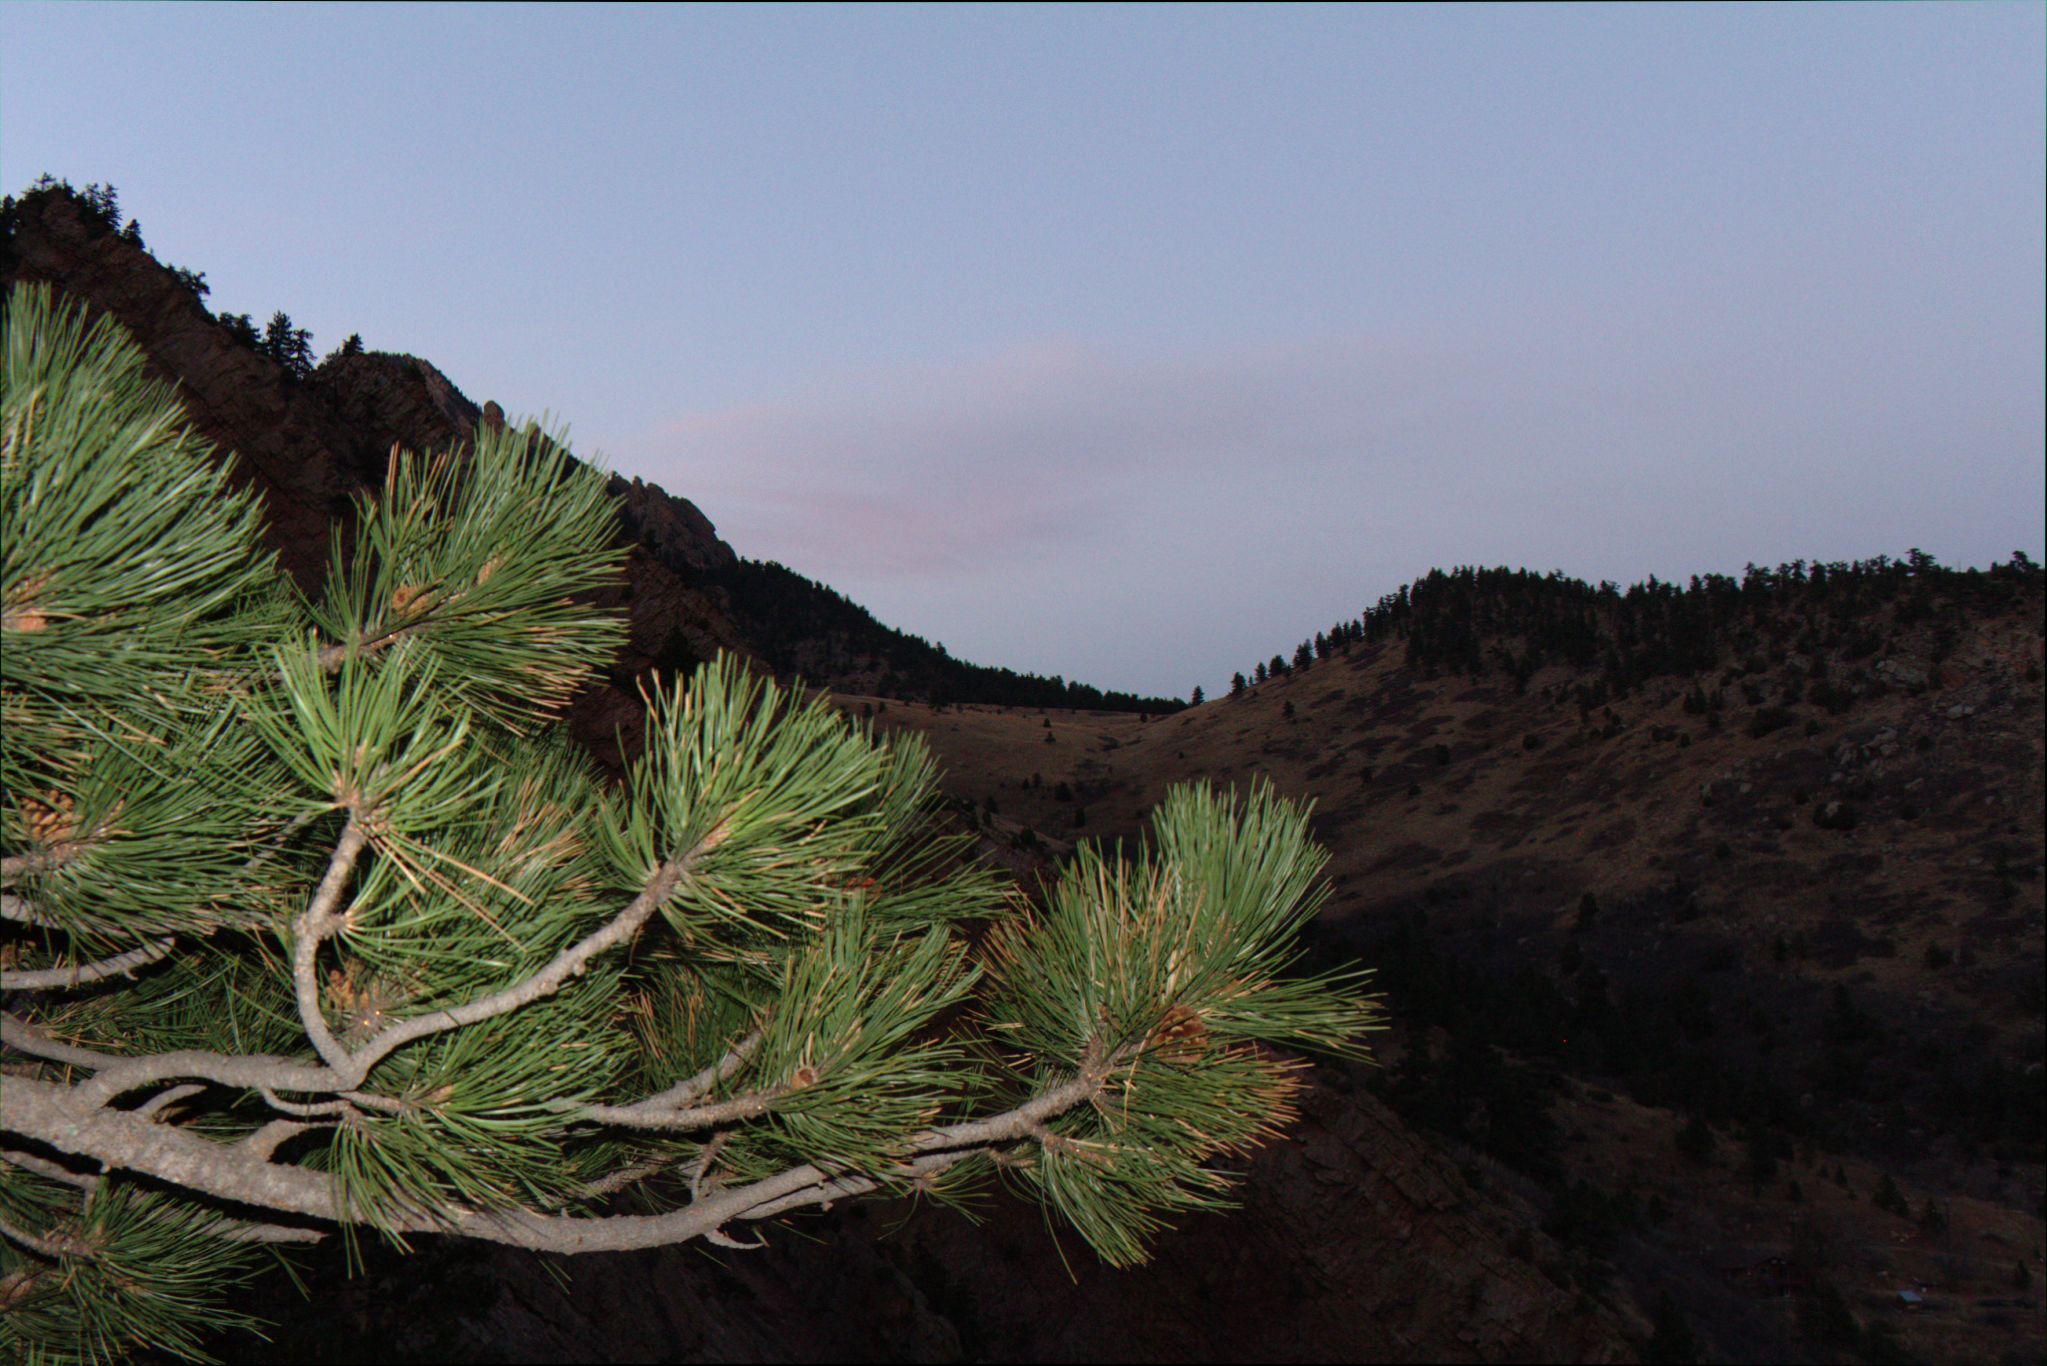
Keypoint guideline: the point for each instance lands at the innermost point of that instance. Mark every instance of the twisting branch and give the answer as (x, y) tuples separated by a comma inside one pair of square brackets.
[(20, 910), (640, 1116), (686, 1093), (71, 1122), (48, 1170), (235, 1231), (117, 1075), (48, 1245), (304, 1109), (569, 963), (19, 1035), (267, 1140), (826, 1193), (79, 974), (168, 1097), (310, 930), (623, 1177)]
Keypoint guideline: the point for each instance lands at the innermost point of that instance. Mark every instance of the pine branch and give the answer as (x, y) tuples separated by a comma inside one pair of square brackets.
[(79, 974), (695, 1117), (168, 1097), (312, 928), (21, 911), (242, 1173), (116, 1076), (688, 1092), (51, 1246), (565, 966)]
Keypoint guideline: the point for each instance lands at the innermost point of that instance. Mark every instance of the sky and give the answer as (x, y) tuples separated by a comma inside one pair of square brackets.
[(1136, 344)]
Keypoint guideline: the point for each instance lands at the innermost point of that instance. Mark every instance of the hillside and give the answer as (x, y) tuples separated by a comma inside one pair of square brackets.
[(1782, 887)]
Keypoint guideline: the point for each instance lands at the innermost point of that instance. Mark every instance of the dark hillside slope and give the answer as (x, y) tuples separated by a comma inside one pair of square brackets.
[(1758, 863), (811, 630)]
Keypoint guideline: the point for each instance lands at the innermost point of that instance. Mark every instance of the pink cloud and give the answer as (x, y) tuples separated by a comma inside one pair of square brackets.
[(935, 469)]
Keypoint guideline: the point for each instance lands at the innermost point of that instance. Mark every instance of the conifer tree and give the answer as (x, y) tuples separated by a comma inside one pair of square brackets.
[(312, 923), (278, 336)]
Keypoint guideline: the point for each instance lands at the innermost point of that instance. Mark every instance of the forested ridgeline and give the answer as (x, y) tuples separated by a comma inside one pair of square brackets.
[(1514, 622)]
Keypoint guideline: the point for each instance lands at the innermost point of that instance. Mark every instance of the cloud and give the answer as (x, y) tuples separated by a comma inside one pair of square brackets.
[(1045, 448)]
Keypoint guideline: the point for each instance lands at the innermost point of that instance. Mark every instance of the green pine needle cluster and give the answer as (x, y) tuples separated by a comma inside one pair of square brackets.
[(314, 923)]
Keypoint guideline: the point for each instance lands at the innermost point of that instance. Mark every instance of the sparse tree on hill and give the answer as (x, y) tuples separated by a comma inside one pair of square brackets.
[(242, 328), (312, 920), (105, 203), (277, 335), (1262, 673), (1237, 685), (1196, 698)]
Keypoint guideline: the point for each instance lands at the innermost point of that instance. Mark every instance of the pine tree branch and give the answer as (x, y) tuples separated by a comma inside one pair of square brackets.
[(19, 1035), (20, 910), (240, 1231), (79, 974), (47, 1245), (642, 1116), (168, 1097), (267, 1140), (234, 1230), (65, 1119), (318, 922), (623, 1177), (305, 1109), (567, 964), (118, 1075), (48, 1170), (827, 1193), (685, 1093)]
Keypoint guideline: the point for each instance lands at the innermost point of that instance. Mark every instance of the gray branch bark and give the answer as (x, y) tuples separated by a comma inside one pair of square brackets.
[(72, 1122), (80, 974)]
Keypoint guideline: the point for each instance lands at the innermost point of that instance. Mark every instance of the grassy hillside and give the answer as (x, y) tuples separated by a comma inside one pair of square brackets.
[(1759, 861)]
